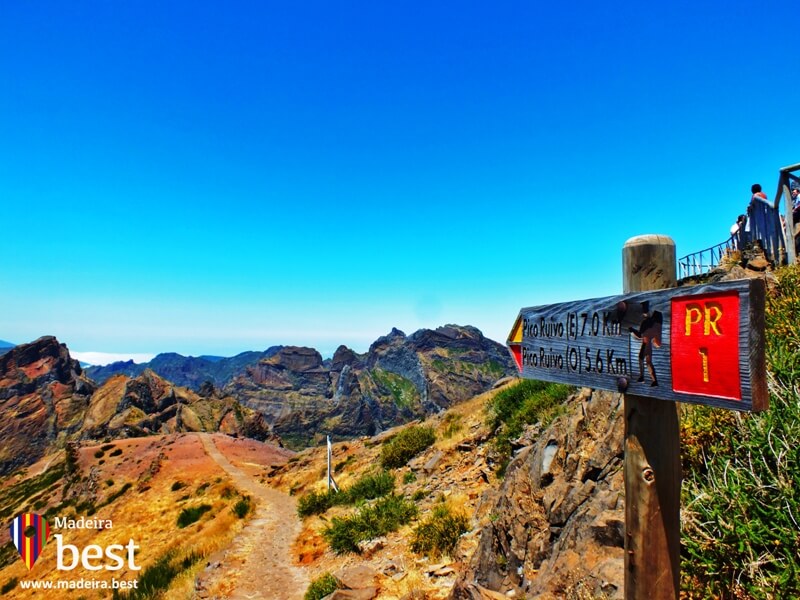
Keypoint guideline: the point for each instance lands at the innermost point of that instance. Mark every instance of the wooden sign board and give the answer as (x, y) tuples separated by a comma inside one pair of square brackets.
[(701, 344)]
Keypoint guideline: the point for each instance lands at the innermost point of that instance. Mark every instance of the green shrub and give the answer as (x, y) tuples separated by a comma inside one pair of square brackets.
[(322, 586), (99, 454), (525, 403), (109, 482), (242, 507), (315, 503), (116, 494), (192, 514), (342, 464), (8, 555), (409, 477), (783, 329), (106, 447), (116, 452), (367, 487), (178, 485), (386, 515), (741, 488), (9, 585), (439, 534), (406, 445)]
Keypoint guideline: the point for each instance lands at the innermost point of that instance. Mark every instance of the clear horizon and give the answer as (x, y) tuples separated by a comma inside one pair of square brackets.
[(209, 179)]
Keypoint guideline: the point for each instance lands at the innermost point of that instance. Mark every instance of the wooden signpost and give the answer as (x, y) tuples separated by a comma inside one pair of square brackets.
[(701, 344)]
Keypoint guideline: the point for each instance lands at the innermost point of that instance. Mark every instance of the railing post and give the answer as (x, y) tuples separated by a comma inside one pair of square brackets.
[(787, 195)]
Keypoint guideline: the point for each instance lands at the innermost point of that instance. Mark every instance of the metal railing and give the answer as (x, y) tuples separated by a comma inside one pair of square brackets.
[(764, 225), (704, 261)]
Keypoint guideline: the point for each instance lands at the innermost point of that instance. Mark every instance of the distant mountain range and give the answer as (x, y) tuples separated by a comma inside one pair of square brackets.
[(5, 346), (288, 390), (47, 401), (186, 371)]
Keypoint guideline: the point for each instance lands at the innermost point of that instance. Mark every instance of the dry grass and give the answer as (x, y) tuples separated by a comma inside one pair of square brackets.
[(147, 517)]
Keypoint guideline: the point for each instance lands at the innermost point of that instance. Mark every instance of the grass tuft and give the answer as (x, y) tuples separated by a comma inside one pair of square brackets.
[(243, 506), (439, 534), (9, 585), (386, 515), (741, 488), (322, 586), (406, 445), (192, 514), (156, 578)]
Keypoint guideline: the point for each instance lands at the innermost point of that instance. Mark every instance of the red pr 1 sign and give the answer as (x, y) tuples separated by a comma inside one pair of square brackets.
[(705, 345), (700, 344)]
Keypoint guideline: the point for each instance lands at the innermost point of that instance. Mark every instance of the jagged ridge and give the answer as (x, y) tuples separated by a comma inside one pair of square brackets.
[(399, 379)]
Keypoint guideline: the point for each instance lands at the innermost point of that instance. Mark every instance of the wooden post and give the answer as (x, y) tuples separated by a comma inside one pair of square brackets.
[(652, 451), (328, 438)]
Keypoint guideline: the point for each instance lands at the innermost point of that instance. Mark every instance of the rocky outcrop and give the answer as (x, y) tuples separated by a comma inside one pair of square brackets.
[(46, 401), (557, 523), (399, 379), (43, 396), (125, 407)]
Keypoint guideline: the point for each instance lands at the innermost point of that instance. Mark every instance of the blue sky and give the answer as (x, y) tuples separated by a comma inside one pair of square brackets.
[(209, 178)]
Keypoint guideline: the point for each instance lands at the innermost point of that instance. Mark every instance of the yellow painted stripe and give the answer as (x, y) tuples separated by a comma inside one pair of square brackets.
[(28, 541), (516, 333)]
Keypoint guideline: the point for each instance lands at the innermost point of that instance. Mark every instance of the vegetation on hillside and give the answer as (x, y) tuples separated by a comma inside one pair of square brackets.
[(322, 586), (741, 491), (440, 532), (370, 521), (192, 514), (403, 391), (525, 403), (406, 445), (159, 576), (367, 487)]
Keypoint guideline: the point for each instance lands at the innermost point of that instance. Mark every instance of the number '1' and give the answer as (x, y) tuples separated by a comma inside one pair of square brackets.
[(704, 354)]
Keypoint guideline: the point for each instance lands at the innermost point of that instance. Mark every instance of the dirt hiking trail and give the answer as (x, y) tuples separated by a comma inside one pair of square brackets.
[(257, 564)]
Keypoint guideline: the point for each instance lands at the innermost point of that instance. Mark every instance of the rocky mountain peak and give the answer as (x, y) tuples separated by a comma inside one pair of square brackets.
[(454, 336), (395, 336), (295, 358), (26, 367), (46, 393), (343, 357)]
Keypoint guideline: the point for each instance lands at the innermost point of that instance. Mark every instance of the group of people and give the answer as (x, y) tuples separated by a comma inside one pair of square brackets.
[(740, 230), (795, 201)]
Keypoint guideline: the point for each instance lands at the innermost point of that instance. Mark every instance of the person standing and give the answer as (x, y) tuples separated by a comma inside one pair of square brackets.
[(757, 192)]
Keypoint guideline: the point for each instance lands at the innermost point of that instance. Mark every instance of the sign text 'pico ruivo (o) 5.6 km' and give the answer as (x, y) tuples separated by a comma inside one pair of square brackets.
[(702, 344)]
